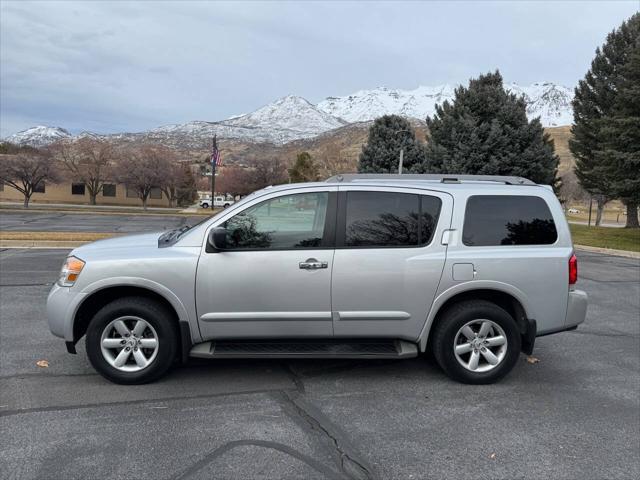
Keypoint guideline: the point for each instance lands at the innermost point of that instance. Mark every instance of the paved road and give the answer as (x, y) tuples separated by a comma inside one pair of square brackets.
[(88, 222), (575, 414)]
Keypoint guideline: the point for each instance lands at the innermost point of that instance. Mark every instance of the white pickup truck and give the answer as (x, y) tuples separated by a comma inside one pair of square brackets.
[(218, 202)]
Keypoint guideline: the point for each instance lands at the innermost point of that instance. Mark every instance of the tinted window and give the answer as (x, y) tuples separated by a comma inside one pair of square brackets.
[(39, 188), (387, 219), (508, 220), (77, 189), (109, 190), (291, 221)]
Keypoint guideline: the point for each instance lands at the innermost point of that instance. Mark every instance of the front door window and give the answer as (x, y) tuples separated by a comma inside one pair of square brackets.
[(282, 223)]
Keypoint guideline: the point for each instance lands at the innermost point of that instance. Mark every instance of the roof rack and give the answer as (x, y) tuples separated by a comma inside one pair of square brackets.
[(442, 178)]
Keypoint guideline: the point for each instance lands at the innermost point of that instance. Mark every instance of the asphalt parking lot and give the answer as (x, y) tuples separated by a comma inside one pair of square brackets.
[(20, 221), (575, 414)]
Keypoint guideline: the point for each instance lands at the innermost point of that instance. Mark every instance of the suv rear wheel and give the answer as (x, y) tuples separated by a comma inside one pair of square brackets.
[(132, 340), (476, 342)]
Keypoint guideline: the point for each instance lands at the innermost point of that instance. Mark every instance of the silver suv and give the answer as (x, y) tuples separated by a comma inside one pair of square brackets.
[(471, 268)]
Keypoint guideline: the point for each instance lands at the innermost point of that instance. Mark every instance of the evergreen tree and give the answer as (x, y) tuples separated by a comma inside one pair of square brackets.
[(606, 127), (485, 131), (387, 136), (187, 189), (304, 169)]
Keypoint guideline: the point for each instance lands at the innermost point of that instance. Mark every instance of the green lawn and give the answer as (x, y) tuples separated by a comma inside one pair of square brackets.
[(606, 237)]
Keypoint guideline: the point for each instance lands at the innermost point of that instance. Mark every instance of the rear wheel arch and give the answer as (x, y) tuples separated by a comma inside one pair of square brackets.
[(507, 301)]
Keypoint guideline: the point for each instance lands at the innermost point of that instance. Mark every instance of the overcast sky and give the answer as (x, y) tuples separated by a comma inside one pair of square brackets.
[(129, 66)]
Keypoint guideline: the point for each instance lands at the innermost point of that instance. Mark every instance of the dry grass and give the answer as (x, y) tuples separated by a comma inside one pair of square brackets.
[(604, 237), (56, 236)]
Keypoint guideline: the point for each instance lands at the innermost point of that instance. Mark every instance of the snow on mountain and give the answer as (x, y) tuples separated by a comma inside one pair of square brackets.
[(366, 105), (287, 119), (550, 102), (294, 118), (38, 136), (291, 113)]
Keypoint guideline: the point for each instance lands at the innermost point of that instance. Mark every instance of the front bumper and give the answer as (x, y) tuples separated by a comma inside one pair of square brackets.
[(62, 304)]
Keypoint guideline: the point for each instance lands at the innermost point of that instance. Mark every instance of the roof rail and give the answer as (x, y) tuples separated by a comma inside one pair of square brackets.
[(442, 178)]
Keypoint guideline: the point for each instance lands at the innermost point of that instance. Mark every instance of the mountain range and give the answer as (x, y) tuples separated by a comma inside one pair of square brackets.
[(293, 118)]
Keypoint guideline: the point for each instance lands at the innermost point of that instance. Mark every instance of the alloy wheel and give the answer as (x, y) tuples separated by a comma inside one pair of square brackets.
[(129, 344), (480, 345)]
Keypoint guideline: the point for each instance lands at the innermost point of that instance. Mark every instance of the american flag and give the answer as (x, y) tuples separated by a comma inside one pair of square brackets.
[(216, 158)]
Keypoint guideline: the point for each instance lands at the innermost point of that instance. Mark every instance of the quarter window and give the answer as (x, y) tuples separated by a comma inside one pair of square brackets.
[(492, 220), (287, 222), (388, 219)]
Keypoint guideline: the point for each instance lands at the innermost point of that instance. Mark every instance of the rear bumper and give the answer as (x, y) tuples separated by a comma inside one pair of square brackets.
[(576, 313), (576, 308)]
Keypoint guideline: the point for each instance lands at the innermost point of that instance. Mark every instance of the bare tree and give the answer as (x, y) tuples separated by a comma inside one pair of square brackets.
[(144, 168), (89, 161), (177, 179), (26, 171), (267, 171), (236, 181)]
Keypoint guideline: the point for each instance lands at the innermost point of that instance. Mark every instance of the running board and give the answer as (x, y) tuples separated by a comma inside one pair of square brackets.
[(305, 349)]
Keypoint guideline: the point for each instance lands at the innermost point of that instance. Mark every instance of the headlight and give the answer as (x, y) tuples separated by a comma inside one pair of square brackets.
[(70, 271)]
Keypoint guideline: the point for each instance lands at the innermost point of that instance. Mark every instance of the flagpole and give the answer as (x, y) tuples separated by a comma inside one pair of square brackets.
[(213, 174)]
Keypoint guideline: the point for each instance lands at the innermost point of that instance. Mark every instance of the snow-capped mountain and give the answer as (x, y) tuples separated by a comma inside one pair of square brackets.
[(291, 114), (38, 136), (550, 102), (294, 118)]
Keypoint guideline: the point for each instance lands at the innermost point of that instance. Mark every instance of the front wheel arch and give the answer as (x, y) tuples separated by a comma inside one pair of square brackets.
[(94, 302)]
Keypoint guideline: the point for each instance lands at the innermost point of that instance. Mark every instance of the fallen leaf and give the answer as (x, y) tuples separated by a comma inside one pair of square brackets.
[(492, 456), (43, 363), (531, 359)]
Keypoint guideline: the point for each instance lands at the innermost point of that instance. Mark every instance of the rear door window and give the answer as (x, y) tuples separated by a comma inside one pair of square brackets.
[(389, 219), (492, 220)]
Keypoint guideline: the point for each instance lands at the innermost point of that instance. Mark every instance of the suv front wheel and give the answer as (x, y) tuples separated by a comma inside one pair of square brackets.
[(476, 342), (132, 340)]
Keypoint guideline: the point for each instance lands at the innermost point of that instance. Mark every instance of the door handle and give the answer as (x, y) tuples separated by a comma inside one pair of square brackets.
[(313, 264)]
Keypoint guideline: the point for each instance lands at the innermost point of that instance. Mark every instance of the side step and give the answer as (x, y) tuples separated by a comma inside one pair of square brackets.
[(305, 349)]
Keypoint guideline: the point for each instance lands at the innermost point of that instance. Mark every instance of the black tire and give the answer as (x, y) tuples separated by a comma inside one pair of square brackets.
[(205, 205), (153, 313), (453, 319), (226, 205)]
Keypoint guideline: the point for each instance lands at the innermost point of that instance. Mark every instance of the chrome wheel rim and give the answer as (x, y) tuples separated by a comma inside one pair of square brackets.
[(480, 345), (129, 344)]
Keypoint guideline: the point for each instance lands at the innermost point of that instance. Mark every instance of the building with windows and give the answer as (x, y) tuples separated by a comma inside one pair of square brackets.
[(71, 192)]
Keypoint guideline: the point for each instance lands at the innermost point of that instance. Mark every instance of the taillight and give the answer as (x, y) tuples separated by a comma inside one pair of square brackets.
[(573, 269)]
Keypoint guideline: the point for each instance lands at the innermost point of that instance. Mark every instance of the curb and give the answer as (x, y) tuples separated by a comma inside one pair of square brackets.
[(66, 244), (608, 251), (106, 212)]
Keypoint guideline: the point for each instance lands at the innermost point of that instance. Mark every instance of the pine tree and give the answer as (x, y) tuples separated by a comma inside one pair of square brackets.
[(485, 131), (381, 153), (606, 131), (304, 169)]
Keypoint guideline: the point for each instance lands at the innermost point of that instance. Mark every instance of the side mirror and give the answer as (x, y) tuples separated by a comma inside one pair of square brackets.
[(218, 238)]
